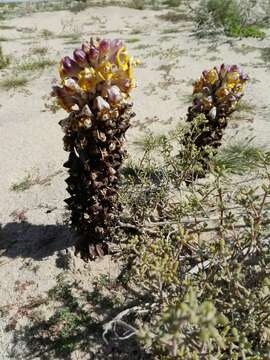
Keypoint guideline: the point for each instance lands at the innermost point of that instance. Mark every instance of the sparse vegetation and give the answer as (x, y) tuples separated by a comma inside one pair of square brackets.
[(23, 185), (30, 180), (4, 60), (35, 64), (132, 40), (14, 82), (7, 27), (265, 54), (142, 46), (172, 3), (51, 105), (71, 38), (175, 17), (239, 157), (171, 30), (47, 34), (39, 50), (2, 39), (137, 4)]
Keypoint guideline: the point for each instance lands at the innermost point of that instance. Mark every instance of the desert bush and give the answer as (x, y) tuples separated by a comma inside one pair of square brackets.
[(234, 18), (198, 256)]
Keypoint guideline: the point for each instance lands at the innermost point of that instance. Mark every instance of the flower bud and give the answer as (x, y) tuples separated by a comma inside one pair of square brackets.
[(80, 57), (124, 85), (116, 44), (87, 111), (101, 104), (223, 71), (104, 46), (72, 85), (93, 54), (64, 98), (114, 94), (70, 67), (86, 47), (244, 77), (213, 113)]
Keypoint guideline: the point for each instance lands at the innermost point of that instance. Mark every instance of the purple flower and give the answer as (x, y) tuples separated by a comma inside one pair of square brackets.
[(205, 73), (93, 54), (70, 67), (235, 68), (244, 77), (80, 57), (104, 46), (116, 44)]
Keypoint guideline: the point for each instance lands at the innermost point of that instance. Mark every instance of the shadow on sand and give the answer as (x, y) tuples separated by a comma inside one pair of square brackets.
[(74, 331), (22, 239), (76, 316)]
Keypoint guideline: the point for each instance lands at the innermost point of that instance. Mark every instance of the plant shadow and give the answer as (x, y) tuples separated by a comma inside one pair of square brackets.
[(22, 239), (75, 328)]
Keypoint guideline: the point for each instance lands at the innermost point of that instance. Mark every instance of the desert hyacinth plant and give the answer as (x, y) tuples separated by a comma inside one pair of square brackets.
[(94, 88), (216, 95)]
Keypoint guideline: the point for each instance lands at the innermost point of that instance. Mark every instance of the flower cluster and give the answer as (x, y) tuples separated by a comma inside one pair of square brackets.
[(101, 70), (217, 92)]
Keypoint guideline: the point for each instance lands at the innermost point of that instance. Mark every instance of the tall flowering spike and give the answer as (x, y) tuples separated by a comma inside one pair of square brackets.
[(215, 95), (94, 89)]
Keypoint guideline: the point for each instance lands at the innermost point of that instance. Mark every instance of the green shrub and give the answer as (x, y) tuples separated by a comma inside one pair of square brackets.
[(234, 18), (199, 255)]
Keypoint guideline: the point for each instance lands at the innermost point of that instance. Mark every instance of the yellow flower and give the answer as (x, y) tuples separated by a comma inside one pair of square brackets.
[(104, 71), (87, 79), (122, 59), (222, 92), (232, 79), (212, 76)]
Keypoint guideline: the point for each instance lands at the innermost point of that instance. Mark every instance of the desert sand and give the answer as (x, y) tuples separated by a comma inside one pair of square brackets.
[(35, 245)]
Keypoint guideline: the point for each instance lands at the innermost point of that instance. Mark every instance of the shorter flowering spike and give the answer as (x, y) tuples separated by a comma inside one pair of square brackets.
[(215, 89), (215, 96)]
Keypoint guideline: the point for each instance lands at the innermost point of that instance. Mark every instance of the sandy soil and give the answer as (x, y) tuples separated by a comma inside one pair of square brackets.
[(35, 245)]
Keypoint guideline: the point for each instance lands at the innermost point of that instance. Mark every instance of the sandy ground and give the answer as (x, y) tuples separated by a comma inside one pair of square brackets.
[(35, 251)]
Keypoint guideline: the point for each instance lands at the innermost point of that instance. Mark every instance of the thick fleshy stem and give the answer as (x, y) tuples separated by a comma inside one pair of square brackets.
[(96, 154)]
